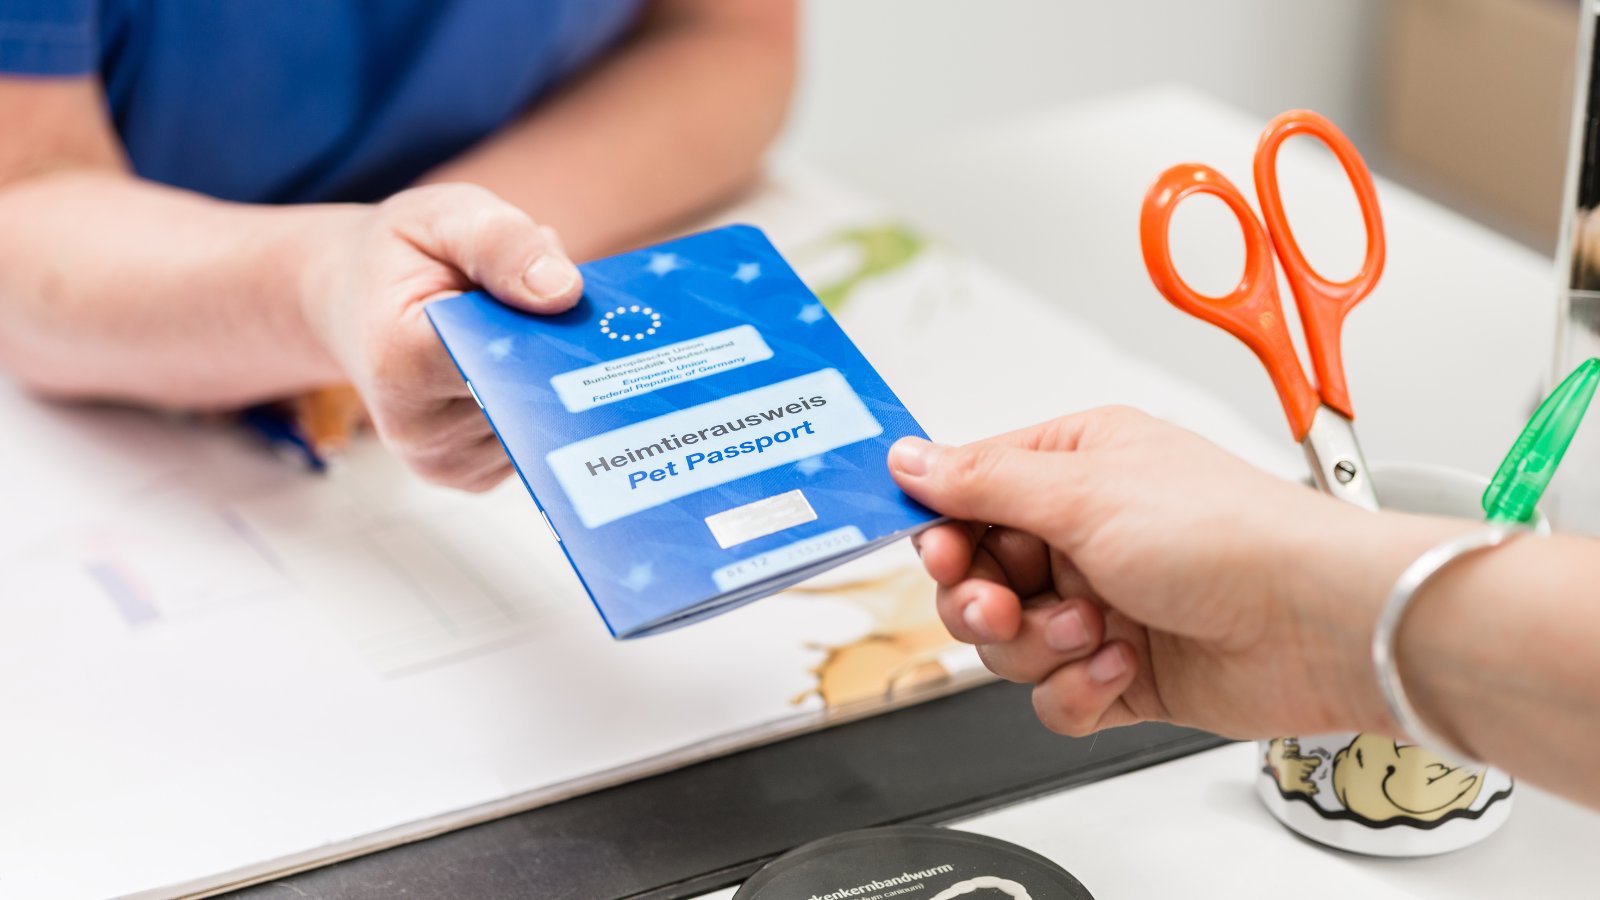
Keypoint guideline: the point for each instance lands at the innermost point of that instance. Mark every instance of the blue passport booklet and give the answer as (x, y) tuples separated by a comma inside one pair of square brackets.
[(698, 431)]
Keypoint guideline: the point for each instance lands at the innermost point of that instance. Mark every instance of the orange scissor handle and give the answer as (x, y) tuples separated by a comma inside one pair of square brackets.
[(1323, 304), (1252, 313)]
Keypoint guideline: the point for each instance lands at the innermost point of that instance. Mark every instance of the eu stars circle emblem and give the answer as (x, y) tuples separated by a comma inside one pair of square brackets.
[(630, 323)]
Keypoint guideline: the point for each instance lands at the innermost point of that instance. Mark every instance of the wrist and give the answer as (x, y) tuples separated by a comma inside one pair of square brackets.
[(320, 248), (1339, 574)]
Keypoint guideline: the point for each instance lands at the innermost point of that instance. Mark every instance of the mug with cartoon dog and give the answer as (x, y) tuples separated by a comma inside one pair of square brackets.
[(1372, 794)]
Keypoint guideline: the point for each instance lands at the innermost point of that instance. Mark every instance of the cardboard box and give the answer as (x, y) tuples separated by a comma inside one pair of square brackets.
[(1473, 103)]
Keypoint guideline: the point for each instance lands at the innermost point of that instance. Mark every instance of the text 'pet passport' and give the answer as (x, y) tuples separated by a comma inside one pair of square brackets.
[(698, 430)]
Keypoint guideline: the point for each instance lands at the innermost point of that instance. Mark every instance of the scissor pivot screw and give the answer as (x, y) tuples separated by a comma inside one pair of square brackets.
[(1345, 471)]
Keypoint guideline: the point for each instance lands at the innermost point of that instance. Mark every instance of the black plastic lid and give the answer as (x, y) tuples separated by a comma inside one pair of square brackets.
[(911, 862)]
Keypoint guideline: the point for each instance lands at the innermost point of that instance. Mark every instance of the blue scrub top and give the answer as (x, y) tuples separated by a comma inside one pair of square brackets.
[(294, 101)]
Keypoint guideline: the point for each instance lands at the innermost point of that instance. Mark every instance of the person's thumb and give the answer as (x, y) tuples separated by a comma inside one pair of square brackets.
[(989, 481), (493, 243)]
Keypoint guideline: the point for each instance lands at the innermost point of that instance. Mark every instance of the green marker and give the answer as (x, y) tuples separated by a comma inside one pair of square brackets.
[(1528, 468)]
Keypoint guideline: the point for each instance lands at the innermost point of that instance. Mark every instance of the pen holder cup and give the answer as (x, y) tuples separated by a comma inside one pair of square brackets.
[(1369, 794)]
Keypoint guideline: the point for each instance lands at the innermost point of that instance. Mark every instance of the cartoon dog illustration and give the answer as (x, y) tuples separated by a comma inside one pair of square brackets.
[(1292, 770), (1378, 778)]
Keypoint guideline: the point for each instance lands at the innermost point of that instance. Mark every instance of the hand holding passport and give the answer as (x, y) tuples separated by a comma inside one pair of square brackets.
[(697, 430)]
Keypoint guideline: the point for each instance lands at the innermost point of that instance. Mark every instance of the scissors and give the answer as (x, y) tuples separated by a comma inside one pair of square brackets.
[(1319, 418)]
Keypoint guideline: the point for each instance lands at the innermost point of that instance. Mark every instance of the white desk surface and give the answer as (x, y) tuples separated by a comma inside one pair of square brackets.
[(1444, 360)]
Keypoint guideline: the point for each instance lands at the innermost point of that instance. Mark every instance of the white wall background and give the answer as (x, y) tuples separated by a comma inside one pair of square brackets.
[(886, 71), (884, 82)]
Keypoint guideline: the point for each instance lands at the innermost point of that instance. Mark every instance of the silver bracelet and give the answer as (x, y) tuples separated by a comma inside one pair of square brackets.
[(1384, 638)]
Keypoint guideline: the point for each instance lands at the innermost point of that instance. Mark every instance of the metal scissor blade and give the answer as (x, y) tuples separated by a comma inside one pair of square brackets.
[(1336, 460)]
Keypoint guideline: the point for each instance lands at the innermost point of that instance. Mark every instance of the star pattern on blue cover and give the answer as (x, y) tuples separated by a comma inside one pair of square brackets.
[(810, 466), (639, 577), (662, 263), (748, 272), (631, 323)]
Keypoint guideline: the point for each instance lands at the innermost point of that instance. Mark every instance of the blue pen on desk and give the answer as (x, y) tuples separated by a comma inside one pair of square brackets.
[(277, 426), (314, 427)]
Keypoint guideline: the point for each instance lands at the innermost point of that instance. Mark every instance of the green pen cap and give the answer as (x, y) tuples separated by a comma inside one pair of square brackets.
[(1528, 468)]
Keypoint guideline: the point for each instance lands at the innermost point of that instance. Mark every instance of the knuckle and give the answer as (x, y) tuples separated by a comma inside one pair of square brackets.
[(442, 453), (486, 481), (969, 467), (990, 662), (452, 445), (393, 381), (466, 208), (950, 608), (998, 661), (412, 201), (1123, 420), (429, 467), (1060, 715), (495, 221), (409, 365), (450, 193), (1064, 706), (439, 466)]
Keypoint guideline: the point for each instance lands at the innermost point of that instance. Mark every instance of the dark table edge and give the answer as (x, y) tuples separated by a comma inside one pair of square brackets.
[(1131, 762)]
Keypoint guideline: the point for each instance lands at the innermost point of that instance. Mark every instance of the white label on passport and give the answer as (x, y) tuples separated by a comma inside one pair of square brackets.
[(641, 373), (793, 556), (640, 466), (771, 515)]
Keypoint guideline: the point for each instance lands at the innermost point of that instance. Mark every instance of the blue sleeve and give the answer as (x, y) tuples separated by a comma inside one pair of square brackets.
[(48, 37)]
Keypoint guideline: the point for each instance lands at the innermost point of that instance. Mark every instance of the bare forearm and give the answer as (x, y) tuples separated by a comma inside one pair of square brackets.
[(115, 288), (677, 119), (1504, 652), (1498, 652)]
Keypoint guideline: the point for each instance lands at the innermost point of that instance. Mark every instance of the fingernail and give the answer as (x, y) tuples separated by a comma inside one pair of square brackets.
[(977, 622), (1066, 632), (915, 456), (1107, 665), (550, 276)]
